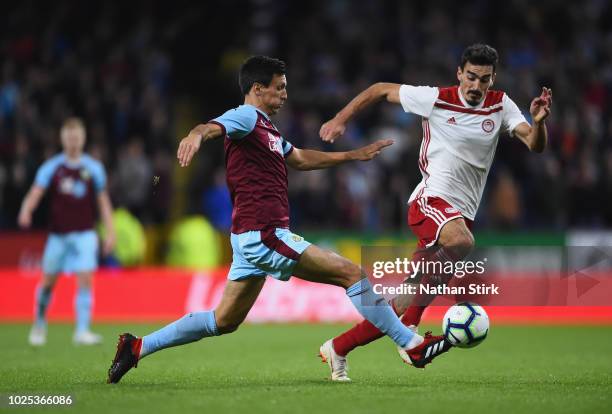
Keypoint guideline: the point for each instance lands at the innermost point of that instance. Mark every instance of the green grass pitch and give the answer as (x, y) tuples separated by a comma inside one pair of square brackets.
[(274, 368)]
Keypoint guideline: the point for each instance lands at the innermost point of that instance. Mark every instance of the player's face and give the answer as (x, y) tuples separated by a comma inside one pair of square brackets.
[(273, 96), (475, 81), (73, 140)]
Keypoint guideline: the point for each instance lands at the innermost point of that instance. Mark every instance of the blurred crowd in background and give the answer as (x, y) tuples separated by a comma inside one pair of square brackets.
[(141, 74)]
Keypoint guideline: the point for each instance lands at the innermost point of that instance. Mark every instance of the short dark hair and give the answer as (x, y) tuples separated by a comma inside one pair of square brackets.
[(260, 69), (480, 54)]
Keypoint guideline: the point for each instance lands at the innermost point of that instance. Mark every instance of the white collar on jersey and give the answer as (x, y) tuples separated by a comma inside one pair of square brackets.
[(467, 105)]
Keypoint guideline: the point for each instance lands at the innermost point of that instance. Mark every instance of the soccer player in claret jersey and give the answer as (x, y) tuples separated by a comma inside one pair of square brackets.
[(77, 186), (461, 127), (256, 155)]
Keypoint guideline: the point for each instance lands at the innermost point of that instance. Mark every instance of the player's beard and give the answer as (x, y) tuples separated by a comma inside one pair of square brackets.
[(474, 97)]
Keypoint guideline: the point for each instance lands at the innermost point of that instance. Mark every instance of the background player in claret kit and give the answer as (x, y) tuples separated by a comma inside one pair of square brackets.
[(256, 157), (461, 127), (77, 186)]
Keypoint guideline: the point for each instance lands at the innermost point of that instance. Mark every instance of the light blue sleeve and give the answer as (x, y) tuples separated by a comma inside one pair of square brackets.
[(46, 170), (238, 122), (96, 169), (287, 148)]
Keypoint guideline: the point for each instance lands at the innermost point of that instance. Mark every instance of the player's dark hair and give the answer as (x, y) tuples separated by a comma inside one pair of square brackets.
[(480, 54), (260, 69)]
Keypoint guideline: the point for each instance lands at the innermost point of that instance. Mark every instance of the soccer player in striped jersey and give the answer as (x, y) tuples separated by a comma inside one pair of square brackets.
[(461, 128), (256, 156)]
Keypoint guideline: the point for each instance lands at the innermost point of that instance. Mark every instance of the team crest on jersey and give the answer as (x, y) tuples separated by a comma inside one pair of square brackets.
[(297, 238), (70, 186), (85, 175), (488, 125), (275, 143)]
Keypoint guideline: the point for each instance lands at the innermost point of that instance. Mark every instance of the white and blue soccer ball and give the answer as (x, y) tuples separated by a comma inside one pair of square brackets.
[(465, 325)]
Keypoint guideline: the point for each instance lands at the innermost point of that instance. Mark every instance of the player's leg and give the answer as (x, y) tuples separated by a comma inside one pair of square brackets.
[(455, 243), (452, 240), (242, 289), (43, 297), (236, 302), (360, 334), (455, 246), (458, 239), (38, 332), (82, 259), (281, 254), (322, 266), (83, 307), (52, 263), (318, 265)]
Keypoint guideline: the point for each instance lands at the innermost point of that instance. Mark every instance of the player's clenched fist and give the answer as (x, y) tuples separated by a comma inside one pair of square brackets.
[(331, 130), (187, 148), (371, 151)]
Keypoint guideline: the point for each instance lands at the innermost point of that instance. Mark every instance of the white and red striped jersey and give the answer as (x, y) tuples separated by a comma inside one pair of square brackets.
[(459, 141)]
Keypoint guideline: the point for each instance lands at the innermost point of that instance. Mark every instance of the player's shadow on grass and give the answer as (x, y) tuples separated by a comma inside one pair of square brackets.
[(206, 383), (251, 384), (266, 384)]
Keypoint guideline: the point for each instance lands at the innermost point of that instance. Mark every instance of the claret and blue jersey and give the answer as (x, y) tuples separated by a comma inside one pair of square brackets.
[(72, 188), (72, 246), (255, 154)]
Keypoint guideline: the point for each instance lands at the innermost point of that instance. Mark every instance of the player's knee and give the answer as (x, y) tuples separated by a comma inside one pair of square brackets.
[(84, 282), (227, 324), (226, 328), (461, 244), (349, 273), (400, 303)]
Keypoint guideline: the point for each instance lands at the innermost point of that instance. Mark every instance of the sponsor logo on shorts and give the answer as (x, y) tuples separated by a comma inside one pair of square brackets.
[(488, 125), (450, 210)]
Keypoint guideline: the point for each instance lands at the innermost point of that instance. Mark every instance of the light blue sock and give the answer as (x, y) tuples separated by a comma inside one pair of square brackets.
[(82, 304), (377, 311), (43, 297), (190, 328)]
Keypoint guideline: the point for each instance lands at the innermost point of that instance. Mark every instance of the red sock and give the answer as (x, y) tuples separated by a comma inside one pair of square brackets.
[(364, 332), (413, 314), (136, 346), (361, 334)]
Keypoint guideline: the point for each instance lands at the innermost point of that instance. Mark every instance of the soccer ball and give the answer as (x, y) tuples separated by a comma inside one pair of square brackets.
[(465, 324)]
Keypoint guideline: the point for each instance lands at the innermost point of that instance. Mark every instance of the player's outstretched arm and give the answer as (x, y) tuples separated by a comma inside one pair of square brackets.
[(106, 212), (304, 159), (191, 143), (30, 202), (336, 126), (535, 136)]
